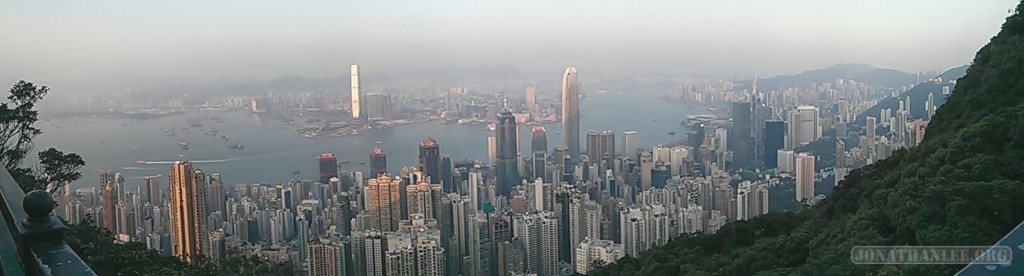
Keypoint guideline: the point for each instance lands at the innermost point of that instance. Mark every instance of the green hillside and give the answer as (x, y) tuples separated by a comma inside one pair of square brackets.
[(962, 186)]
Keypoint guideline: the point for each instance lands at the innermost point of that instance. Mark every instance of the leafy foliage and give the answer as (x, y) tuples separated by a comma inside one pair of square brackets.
[(961, 186), (57, 169), (96, 247)]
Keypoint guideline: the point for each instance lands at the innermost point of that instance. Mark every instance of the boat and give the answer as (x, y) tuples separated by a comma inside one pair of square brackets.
[(140, 162), (378, 142), (344, 161), (296, 172), (236, 146), (672, 133), (362, 163)]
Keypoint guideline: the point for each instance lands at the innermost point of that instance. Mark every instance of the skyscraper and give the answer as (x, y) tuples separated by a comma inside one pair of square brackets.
[(430, 161), (215, 195), (870, 127), (507, 167), (384, 202), (110, 199), (357, 105), (153, 190), (378, 162), (601, 148), (774, 140), (630, 142), (378, 106), (741, 142), (328, 166), (531, 98), (539, 147), (804, 176), (187, 211), (804, 126), (571, 112)]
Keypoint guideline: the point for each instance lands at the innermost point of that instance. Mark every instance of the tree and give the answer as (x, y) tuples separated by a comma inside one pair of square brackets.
[(17, 117), (57, 169)]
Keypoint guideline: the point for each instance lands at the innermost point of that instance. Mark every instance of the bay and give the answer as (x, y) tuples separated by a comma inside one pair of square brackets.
[(272, 152)]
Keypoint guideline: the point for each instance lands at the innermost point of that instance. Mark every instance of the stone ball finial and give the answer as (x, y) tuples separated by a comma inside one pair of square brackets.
[(37, 204)]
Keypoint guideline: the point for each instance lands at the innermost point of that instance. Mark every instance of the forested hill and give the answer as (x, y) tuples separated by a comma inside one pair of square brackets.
[(962, 186)]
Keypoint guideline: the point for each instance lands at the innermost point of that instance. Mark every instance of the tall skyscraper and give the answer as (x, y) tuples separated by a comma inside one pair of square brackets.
[(189, 236), (430, 161), (153, 190), (531, 98), (378, 162), (804, 126), (357, 105), (804, 176), (378, 106), (328, 167), (215, 195), (384, 202), (539, 147), (630, 142), (571, 112), (774, 140), (507, 167), (741, 141), (601, 148), (110, 198)]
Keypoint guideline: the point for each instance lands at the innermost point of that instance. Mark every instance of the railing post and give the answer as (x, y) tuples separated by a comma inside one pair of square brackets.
[(43, 239), (41, 224)]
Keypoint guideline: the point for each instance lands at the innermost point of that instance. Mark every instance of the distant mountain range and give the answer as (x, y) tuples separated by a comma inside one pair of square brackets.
[(918, 96), (862, 73)]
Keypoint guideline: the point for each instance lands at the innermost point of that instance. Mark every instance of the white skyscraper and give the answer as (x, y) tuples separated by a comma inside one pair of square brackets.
[(357, 104), (630, 141), (804, 126)]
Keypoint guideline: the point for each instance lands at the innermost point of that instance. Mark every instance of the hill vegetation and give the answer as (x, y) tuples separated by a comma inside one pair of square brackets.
[(961, 186)]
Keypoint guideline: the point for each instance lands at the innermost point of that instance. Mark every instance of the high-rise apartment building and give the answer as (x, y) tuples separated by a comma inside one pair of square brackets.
[(189, 237), (804, 176), (327, 258), (571, 112), (539, 234), (384, 202)]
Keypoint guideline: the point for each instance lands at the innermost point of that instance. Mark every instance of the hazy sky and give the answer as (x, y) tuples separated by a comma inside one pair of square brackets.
[(211, 39)]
